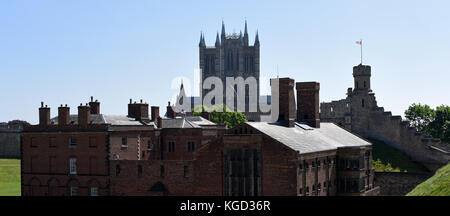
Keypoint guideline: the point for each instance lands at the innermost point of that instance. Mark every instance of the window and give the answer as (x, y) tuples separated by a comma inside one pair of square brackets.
[(94, 191), (92, 142), (117, 170), (186, 171), (162, 171), (318, 187), (51, 164), (364, 84), (139, 171), (362, 102), (72, 142), (171, 146), (73, 166), (124, 142), (149, 145), (73, 191), (307, 191), (52, 142), (191, 146), (33, 143)]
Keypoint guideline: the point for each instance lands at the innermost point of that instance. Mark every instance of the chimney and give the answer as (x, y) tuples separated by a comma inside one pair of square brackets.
[(155, 112), (44, 115), (84, 115), (63, 115), (95, 106), (308, 103), (206, 115), (286, 99), (170, 112), (138, 110), (159, 122)]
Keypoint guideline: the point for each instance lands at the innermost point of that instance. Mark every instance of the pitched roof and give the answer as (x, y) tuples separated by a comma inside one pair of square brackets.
[(186, 122), (307, 139), (106, 119)]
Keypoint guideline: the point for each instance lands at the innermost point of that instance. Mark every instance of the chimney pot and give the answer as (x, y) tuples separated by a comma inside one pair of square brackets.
[(42, 103)]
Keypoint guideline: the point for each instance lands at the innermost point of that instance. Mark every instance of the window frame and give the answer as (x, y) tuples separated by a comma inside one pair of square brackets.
[(72, 166)]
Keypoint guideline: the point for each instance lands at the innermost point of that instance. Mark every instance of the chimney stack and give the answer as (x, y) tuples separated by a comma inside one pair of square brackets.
[(170, 112), (63, 115), (44, 115), (159, 122), (308, 103), (206, 115), (95, 106), (84, 115), (286, 99), (155, 112), (138, 110)]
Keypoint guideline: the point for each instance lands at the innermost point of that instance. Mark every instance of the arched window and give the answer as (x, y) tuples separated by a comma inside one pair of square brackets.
[(364, 84), (357, 86), (362, 102)]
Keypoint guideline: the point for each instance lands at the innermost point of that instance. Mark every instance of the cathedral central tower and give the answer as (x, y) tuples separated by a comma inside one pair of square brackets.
[(231, 56)]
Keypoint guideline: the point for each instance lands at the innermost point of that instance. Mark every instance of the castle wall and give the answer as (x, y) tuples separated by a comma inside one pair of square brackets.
[(368, 120)]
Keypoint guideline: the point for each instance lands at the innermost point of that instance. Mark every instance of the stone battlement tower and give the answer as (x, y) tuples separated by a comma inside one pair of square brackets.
[(231, 56), (361, 75)]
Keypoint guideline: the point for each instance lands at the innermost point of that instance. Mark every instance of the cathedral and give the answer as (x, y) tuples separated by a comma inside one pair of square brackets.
[(232, 56)]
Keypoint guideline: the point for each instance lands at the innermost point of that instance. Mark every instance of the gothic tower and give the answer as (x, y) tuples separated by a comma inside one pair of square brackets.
[(232, 56)]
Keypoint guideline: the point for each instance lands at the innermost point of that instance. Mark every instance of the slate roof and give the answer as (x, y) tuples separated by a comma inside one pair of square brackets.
[(106, 119), (186, 122), (307, 139)]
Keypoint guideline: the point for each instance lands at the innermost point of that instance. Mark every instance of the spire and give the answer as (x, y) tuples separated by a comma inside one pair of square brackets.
[(217, 39), (223, 29), (181, 87), (240, 37), (245, 30), (202, 40), (256, 39)]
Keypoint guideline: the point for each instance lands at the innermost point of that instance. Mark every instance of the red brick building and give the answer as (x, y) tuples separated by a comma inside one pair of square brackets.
[(136, 154)]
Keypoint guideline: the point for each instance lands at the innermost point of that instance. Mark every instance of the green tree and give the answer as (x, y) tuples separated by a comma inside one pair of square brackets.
[(220, 114), (420, 116), (440, 126)]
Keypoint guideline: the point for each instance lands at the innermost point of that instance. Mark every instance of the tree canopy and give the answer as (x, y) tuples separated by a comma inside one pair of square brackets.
[(433, 122), (220, 114)]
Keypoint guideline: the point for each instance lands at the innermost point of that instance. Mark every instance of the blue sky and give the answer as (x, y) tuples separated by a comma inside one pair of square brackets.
[(62, 52)]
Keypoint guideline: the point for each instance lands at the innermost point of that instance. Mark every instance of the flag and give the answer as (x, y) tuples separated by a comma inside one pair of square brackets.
[(359, 42)]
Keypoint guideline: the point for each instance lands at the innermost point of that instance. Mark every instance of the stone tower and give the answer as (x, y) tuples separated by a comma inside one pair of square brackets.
[(361, 75), (231, 56)]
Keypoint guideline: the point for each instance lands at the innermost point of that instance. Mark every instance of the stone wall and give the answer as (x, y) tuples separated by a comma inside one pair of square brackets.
[(360, 114), (398, 183), (10, 142)]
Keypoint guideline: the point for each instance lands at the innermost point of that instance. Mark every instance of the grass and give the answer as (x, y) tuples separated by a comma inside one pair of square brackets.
[(388, 159), (437, 185), (9, 177)]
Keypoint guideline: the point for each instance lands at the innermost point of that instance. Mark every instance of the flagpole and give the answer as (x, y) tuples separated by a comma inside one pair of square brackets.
[(361, 51)]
